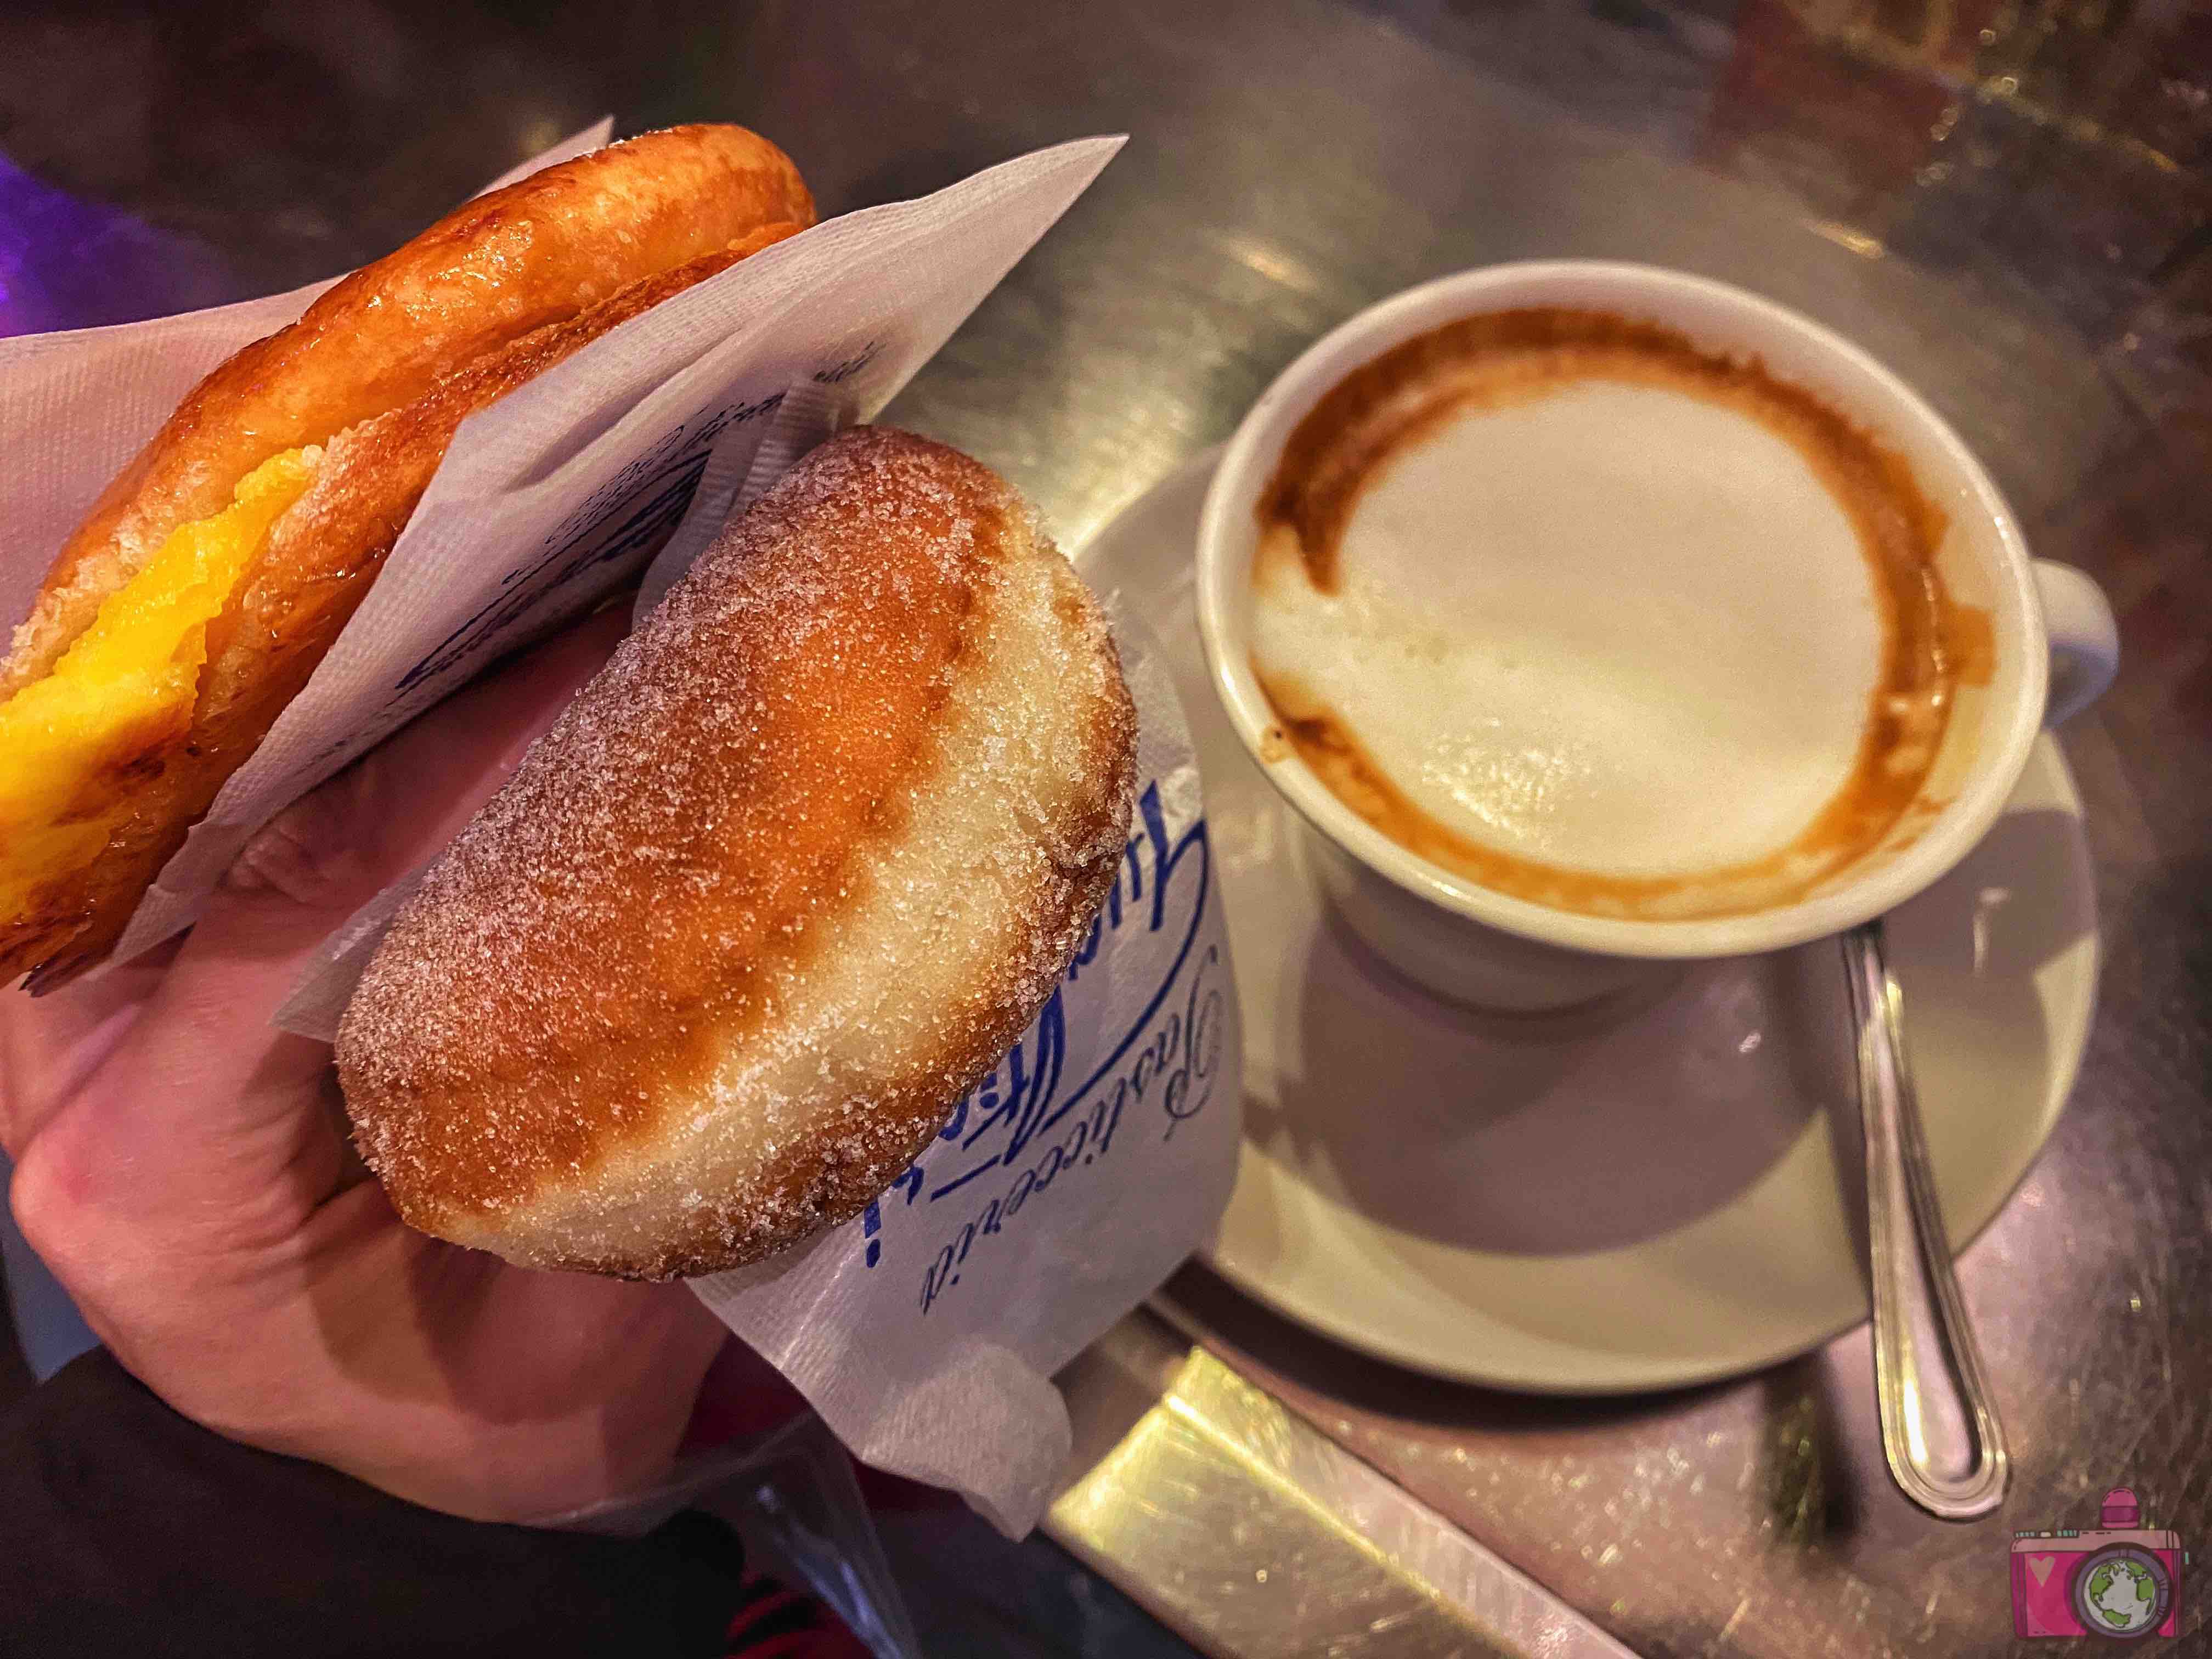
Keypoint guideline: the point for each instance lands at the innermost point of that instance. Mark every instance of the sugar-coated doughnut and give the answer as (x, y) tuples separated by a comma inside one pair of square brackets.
[(784, 882)]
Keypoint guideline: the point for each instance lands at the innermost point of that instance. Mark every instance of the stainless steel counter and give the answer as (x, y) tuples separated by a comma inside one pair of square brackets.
[(2005, 199)]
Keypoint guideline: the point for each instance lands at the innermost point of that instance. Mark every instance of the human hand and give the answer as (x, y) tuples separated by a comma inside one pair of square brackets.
[(183, 1168)]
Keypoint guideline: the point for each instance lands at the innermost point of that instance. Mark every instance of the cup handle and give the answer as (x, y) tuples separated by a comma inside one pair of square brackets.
[(2085, 640)]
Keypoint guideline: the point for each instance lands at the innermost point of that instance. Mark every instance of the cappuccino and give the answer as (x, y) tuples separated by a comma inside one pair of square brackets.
[(1562, 604)]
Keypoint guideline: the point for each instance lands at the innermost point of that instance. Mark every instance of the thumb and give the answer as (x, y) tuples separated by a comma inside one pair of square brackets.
[(206, 1115)]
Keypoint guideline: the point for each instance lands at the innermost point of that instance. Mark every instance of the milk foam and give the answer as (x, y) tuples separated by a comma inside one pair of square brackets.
[(1617, 628)]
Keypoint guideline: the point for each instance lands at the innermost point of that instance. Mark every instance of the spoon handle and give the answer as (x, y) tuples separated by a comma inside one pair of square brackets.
[(1939, 1427)]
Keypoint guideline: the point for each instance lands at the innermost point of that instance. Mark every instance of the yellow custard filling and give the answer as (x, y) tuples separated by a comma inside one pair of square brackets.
[(126, 685)]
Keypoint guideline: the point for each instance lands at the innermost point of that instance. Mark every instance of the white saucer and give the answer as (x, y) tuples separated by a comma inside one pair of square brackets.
[(1601, 1207)]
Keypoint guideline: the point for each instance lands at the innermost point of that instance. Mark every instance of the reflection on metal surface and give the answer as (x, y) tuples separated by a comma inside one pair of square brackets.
[(1255, 1534), (1276, 265), (1929, 38), (1857, 241)]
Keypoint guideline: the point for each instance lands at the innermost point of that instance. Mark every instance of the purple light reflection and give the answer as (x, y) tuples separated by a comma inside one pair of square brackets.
[(70, 263)]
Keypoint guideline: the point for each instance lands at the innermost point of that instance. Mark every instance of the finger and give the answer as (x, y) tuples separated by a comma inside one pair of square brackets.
[(202, 1108), (50, 1045), (741, 1395)]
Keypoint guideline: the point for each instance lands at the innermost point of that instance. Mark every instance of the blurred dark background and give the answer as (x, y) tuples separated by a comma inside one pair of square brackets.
[(261, 145)]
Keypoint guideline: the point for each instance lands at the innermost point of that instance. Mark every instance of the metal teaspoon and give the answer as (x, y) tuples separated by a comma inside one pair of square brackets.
[(1940, 1431)]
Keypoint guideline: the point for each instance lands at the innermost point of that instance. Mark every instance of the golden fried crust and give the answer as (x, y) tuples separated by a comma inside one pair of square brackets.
[(291, 603), (778, 889), (541, 250), (323, 553)]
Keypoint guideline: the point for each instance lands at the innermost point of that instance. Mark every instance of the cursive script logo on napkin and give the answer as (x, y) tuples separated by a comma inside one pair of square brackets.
[(1056, 1106), (615, 528)]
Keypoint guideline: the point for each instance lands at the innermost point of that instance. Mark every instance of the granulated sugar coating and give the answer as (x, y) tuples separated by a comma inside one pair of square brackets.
[(784, 882)]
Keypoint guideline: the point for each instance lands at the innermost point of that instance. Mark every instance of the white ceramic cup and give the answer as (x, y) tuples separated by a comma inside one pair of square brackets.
[(2056, 648)]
